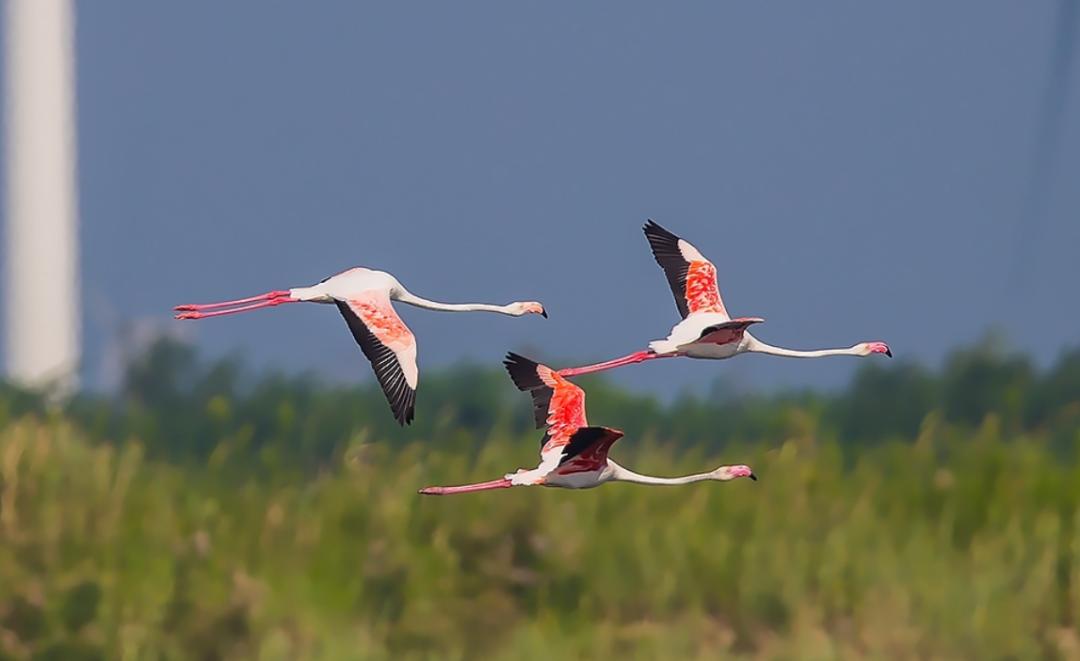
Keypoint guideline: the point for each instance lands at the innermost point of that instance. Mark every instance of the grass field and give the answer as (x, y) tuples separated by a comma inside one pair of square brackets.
[(949, 545)]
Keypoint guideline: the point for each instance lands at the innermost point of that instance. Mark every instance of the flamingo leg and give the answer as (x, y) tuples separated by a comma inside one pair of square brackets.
[(277, 293), (196, 314), (636, 357), (501, 483)]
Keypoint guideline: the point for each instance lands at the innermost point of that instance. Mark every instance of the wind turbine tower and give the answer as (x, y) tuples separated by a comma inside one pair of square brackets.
[(40, 267)]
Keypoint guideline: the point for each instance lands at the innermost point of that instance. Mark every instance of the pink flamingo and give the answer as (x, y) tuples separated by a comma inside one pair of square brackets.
[(363, 297), (706, 330), (573, 455)]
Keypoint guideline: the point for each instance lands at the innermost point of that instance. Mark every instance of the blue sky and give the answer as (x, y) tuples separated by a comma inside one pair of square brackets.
[(855, 170)]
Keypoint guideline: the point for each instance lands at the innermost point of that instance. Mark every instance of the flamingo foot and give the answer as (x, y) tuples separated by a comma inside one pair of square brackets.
[(636, 357), (466, 488), (270, 295), (197, 313)]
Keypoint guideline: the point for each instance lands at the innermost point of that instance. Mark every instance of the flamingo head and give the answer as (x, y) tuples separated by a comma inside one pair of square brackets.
[(867, 348), (725, 473), (520, 308)]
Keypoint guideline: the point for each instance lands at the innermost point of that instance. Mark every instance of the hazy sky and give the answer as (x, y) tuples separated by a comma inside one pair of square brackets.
[(855, 170)]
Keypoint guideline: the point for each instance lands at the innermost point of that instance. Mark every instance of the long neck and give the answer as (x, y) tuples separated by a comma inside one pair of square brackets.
[(412, 299), (758, 346), (620, 474)]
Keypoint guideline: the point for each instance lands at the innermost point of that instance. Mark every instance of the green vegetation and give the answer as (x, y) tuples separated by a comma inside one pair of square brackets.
[(207, 514)]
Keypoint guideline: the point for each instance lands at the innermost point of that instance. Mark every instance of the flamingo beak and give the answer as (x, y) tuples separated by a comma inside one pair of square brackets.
[(543, 313), (753, 477), (879, 347)]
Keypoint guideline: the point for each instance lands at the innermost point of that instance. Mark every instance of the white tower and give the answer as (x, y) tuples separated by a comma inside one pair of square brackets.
[(40, 267)]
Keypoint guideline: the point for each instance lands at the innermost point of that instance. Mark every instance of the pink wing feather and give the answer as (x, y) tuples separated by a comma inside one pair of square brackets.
[(389, 345), (692, 277)]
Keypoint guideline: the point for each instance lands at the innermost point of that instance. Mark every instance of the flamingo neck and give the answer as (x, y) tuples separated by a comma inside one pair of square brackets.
[(757, 346), (620, 474), (412, 299)]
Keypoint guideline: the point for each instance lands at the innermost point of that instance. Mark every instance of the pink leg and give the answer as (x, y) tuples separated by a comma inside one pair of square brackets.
[(502, 483), (636, 357), (240, 301), (274, 302)]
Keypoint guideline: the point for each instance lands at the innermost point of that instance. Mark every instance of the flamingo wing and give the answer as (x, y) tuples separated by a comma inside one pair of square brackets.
[(692, 277), (557, 403), (728, 331), (587, 450), (389, 345)]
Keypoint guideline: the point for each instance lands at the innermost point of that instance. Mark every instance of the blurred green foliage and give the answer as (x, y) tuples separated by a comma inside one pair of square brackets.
[(183, 409), (204, 513)]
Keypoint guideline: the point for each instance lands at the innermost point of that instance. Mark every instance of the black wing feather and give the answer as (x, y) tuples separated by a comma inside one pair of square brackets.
[(384, 362), (523, 373), (665, 249), (586, 437)]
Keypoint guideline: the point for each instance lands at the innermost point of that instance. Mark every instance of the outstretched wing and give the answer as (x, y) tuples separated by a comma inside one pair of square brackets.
[(728, 331), (389, 345), (588, 449), (557, 403), (691, 276)]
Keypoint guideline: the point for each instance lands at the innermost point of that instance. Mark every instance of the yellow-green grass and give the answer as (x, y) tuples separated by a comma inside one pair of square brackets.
[(950, 545)]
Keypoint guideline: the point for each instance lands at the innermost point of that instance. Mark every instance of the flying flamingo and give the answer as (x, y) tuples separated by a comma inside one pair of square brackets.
[(363, 297), (573, 455), (706, 330)]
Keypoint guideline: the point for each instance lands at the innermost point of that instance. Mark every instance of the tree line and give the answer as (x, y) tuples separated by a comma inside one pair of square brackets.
[(181, 406)]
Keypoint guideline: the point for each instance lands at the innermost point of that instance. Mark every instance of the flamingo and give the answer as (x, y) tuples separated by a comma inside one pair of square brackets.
[(363, 297), (706, 329), (573, 455)]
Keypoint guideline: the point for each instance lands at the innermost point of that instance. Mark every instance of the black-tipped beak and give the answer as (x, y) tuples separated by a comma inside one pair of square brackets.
[(543, 313), (753, 477), (888, 352)]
